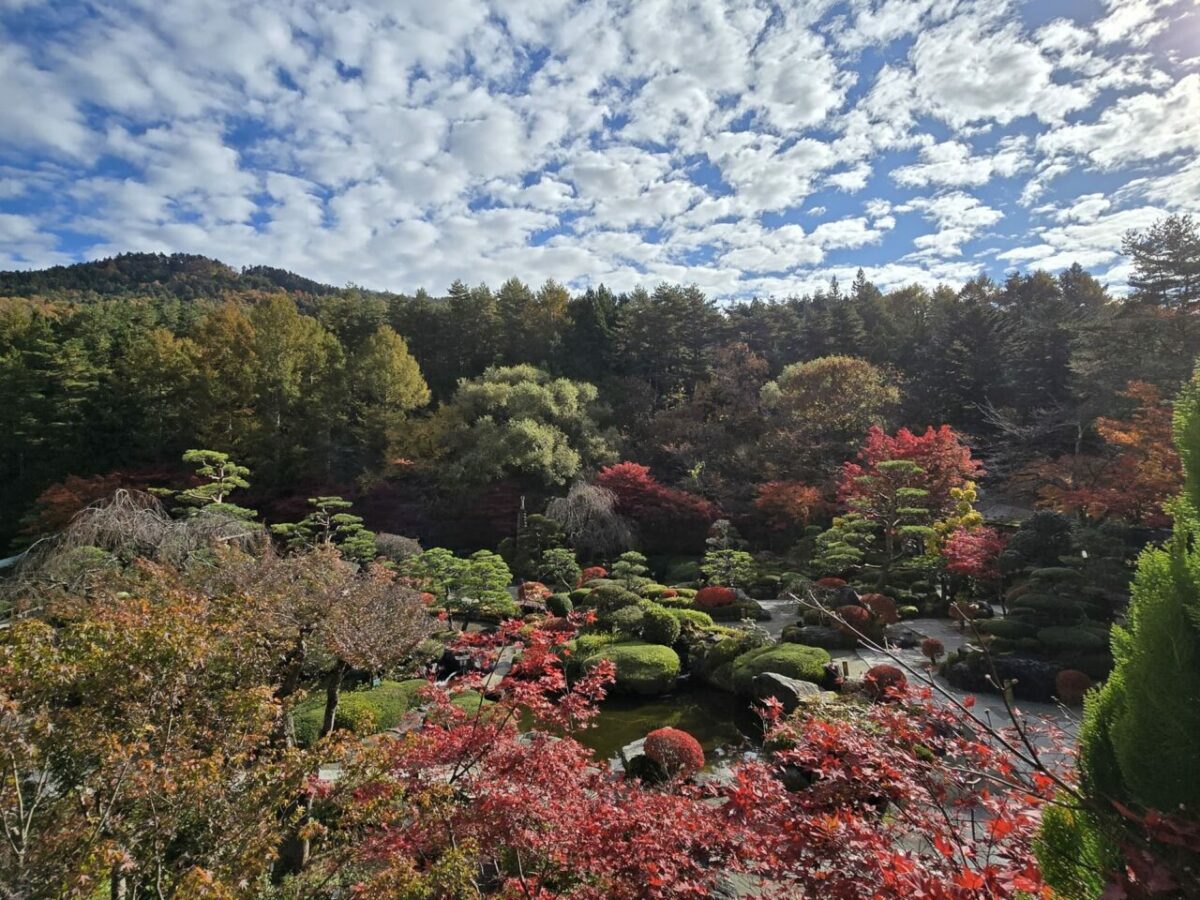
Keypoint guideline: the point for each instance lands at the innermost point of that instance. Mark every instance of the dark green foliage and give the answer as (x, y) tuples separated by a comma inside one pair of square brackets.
[(560, 604), (608, 598), (329, 523)]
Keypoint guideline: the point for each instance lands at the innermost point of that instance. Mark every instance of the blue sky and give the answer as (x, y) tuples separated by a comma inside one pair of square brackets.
[(752, 148)]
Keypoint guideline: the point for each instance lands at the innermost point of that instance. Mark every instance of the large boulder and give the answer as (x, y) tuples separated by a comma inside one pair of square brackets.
[(790, 692), (792, 660)]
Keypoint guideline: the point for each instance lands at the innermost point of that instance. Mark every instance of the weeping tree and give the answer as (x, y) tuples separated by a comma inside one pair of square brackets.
[(590, 521)]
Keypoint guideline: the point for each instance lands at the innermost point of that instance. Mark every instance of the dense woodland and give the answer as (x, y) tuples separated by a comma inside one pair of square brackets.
[(436, 414), (318, 590)]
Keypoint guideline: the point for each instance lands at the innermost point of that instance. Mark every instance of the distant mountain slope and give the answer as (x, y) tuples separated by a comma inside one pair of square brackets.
[(183, 275)]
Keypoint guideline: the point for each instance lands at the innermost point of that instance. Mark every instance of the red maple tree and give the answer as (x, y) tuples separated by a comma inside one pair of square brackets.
[(667, 517)]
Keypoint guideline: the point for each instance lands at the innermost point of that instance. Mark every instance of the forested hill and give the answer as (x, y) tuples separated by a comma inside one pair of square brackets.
[(460, 404), (184, 276)]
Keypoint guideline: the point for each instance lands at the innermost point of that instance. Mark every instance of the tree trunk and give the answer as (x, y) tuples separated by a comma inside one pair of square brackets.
[(118, 886), (333, 691)]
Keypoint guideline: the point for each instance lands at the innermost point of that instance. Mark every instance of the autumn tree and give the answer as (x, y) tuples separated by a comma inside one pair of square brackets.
[(590, 521), (666, 517), (384, 385), (1131, 479), (820, 409)]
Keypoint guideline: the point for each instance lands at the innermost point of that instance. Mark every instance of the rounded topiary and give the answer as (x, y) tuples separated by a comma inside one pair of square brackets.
[(883, 679), (560, 604), (642, 668), (933, 649), (853, 619), (714, 597), (609, 598), (627, 619), (1072, 638), (909, 612), (1070, 685), (793, 660), (679, 754), (580, 595), (659, 626), (1010, 629)]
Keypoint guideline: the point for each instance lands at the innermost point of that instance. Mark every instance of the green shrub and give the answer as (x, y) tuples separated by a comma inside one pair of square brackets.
[(736, 612), (642, 668), (1073, 854), (626, 620), (653, 591), (1072, 638), (588, 644), (1009, 629), (677, 602), (659, 626), (792, 660), (685, 570), (560, 604), (361, 712), (579, 596), (696, 617), (909, 612), (610, 597)]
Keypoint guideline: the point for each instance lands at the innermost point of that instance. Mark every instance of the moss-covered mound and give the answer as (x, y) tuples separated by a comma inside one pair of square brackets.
[(642, 668), (792, 660), (367, 711)]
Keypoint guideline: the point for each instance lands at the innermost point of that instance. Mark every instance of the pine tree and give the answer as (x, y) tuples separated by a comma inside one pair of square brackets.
[(329, 523)]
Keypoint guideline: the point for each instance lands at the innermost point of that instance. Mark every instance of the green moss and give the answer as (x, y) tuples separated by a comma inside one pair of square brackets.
[(792, 660), (642, 668), (361, 712), (695, 617)]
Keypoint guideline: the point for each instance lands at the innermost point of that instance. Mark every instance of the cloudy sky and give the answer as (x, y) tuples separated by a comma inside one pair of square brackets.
[(752, 148)]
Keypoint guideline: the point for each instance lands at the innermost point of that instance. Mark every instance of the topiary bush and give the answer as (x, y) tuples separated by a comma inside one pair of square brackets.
[(1010, 629), (713, 597), (792, 660), (560, 604), (882, 680), (609, 598), (1062, 638), (853, 618), (659, 626), (627, 620), (1070, 685), (933, 649), (677, 752), (645, 669)]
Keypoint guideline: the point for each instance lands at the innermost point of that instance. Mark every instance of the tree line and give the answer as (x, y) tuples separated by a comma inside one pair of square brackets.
[(464, 402)]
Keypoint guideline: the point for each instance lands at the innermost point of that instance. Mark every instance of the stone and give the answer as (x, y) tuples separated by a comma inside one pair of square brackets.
[(791, 692), (818, 636)]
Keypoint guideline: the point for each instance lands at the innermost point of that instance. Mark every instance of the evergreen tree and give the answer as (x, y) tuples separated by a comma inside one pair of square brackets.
[(330, 523)]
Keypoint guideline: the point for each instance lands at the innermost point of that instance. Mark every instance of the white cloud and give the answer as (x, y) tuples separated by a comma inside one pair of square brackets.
[(406, 143)]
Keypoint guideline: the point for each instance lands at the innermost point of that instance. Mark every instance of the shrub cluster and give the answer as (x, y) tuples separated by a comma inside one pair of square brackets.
[(677, 752)]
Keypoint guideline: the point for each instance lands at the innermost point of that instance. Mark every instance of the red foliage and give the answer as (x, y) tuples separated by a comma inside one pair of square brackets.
[(669, 592), (1139, 472), (932, 649), (882, 607), (427, 598), (1070, 685), (533, 592), (590, 574), (680, 754), (946, 462), (712, 597), (668, 518), (514, 787), (788, 505), (853, 618), (831, 582), (885, 681), (974, 552)]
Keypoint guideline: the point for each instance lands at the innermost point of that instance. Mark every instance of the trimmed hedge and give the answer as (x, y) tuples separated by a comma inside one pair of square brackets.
[(646, 669), (792, 660), (560, 604), (609, 598), (1073, 638), (1009, 629), (659, 626)]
